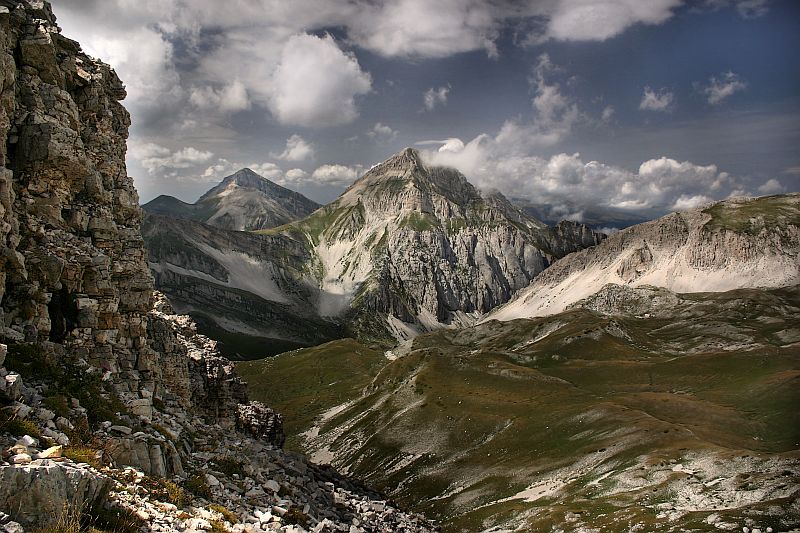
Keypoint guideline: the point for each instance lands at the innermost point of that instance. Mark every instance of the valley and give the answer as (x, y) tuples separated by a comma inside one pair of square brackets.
[(679, 421)]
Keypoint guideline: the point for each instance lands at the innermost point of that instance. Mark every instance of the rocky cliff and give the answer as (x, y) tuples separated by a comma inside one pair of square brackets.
[(114, 410), (734, 244), (243, 201)]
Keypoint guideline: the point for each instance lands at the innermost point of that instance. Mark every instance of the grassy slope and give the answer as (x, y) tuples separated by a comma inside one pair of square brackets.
[(469, 417), (305, 383)]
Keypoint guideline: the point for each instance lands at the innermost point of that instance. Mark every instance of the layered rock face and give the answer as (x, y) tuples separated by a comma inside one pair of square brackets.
[(243, 201), (74, 272), (734, 244)]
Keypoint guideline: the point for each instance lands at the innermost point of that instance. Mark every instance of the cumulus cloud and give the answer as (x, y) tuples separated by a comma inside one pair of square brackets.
[(607, 114), (421, 28), (297, 149), (382, 132), (656, 100), (315, 83), (434, 97), (338, 175), (568, 185), (157, 159), (722, 87), (554, 113), (598, 20), (229, 98), (772, 186)]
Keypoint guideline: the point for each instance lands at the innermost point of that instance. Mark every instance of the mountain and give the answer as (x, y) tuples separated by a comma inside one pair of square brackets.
[(676, 413), (410, 248), (405, 249), (252, 292), (243, 201), (736, 243)]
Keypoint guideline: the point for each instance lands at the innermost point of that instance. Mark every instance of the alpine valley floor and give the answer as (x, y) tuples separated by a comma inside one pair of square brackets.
[(683, 419)]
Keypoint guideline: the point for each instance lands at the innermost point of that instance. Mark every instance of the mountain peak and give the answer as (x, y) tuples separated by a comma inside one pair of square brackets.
[(408, 159), (246, 177)]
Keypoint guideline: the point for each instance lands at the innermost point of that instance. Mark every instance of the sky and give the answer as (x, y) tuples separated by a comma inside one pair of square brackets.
[(575, 106)]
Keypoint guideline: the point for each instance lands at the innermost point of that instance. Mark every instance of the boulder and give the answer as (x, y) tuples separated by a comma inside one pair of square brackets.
[(36, 494)]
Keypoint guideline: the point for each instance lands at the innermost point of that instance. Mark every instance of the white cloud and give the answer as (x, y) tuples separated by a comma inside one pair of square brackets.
[(230, 98), (297, 149), (433, 97), (608, 113), (656, 100), (598, 20), (382, 132), (421, 28), (157, 159), (315, 83), (719, 89), (268, 170), (338, 175), (686, 202), (792, 170), (772, 186), (568, 185), (555, 113), (295, 174)]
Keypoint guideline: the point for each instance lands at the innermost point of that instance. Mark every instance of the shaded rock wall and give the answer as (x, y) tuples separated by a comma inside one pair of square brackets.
[(73, 273)]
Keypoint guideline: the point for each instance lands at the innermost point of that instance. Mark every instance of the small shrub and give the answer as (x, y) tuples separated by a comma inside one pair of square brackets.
[(295, 515), (81, 433), (165, 490), (57, 403), (225, 512), (197, 485)]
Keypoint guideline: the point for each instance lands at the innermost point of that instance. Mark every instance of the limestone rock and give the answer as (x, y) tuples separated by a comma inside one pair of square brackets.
[(261, 422), (36, 493)]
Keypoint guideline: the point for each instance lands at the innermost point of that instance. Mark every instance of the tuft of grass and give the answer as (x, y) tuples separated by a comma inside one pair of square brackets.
[(218, 527), (68, 522), (197, 485), (83, 454), (175, 493), (19, 427), (225, 512)]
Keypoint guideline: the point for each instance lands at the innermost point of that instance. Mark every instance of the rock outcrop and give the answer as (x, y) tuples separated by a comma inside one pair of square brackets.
[(733, 244)]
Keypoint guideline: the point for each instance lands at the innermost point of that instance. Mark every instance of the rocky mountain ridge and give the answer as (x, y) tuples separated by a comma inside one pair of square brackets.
[(736, 243), (407, 248), (243, 201), (113, 410)]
